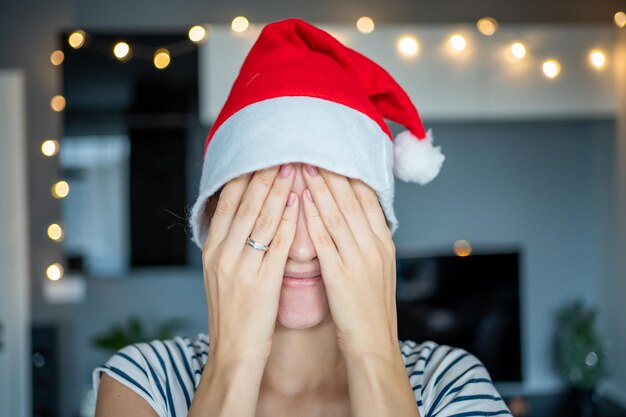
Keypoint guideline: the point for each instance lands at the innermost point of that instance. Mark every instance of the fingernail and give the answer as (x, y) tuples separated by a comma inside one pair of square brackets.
[(308, 195), (312, 170), (291, 199), (285, 170)]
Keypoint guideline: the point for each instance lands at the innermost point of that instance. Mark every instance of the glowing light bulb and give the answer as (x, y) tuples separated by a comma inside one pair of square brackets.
[(620, 19), (518, 50), (54, 272), (121, 50), (365, 25), (597, 58), (551, 68), (56, 57), (76, 39), (57, 103), (55, 232), (240, 24), (462, 248), (408, 45), (197, 34), (60, 189), (50, 147), (457, 42), (161, 58), (487, 26)]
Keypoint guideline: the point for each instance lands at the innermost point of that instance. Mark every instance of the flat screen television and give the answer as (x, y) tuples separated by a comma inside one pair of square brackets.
[(471, 302)]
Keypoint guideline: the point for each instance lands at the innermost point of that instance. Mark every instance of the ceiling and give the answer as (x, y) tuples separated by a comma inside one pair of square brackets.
[(139, 12)]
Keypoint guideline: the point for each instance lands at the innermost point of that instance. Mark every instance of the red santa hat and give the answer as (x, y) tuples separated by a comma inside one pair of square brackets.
[(303, 96)]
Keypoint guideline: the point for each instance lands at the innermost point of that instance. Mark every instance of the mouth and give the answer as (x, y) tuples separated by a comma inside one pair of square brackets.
[(307, 282), (302, 275)]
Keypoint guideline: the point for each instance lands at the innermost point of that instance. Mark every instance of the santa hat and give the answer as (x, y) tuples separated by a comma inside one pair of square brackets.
[(303, 96)]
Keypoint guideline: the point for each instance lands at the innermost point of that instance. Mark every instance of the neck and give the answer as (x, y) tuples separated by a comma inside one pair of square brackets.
[(305, 362)]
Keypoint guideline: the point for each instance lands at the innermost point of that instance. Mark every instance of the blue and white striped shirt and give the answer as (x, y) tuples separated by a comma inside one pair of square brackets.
[(446, 381)]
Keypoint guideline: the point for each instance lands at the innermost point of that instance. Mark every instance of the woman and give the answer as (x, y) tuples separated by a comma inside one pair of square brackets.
[(306, 365), (290, 346)]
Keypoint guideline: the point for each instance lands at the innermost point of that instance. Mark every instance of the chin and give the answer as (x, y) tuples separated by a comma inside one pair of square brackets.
[(302, 309)]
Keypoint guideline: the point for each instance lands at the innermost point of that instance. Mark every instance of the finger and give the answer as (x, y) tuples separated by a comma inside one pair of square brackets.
[(370, 205), (322, 240), (227, 204), (351, 209), (249, 209), (394, 310), (276, 256), (211, 290), (270, 217), (212, 299), (331, 216)]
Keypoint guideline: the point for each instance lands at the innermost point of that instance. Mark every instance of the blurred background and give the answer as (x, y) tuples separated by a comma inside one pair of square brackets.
[(516, 252)]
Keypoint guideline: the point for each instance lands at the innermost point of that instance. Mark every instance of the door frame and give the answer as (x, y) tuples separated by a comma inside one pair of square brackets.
[(15, 335)]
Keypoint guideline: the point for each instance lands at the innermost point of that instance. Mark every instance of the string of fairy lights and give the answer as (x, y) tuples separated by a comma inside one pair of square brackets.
[(161, 57)]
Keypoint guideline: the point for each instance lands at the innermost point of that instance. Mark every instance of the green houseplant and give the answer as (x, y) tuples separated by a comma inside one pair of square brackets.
[(581, 354), (119, 336)]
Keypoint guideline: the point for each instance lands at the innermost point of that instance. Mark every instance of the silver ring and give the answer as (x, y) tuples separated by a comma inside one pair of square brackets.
[(257, 245)]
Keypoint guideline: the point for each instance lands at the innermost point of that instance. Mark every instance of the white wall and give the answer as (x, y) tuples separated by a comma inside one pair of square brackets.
[(477, 83)]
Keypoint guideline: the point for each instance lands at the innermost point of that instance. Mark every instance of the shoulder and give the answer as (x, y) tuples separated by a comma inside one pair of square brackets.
[(165, 373), (450, 381)]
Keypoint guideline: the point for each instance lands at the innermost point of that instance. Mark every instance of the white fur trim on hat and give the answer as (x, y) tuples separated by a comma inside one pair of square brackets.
[(416, 160), (305, 129)]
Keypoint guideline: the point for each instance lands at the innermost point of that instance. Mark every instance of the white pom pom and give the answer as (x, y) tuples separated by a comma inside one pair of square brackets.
[(416, 160)]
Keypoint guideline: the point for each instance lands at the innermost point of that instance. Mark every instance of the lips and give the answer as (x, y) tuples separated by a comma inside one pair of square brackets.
[(293, 274), (302, 282)]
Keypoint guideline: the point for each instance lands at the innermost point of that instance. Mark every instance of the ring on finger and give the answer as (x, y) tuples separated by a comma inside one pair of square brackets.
[(257, 245)]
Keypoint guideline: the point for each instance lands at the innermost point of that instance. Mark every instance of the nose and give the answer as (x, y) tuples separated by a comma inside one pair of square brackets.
[(302, 249)]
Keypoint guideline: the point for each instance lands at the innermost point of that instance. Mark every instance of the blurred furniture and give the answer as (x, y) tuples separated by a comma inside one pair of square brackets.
[(561, 405), (45, 371)]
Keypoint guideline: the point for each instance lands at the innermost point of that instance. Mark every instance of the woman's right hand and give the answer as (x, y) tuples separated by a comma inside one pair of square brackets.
[(243, 284)]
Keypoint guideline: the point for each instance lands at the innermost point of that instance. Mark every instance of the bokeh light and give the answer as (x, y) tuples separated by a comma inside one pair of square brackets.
[(462, 248), (197, 34), (161, 58), (54, 272), (57, 103), (365, 24), (457, 42), (60, 189), (597, 58), (487, 26), (551, 68), (240, 24), (408, 45), (50, 147), (76, 39), (121, 50), (55, 232), (57, 57)]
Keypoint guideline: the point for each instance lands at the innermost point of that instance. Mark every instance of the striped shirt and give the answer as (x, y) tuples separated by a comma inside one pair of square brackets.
[(446, 381)]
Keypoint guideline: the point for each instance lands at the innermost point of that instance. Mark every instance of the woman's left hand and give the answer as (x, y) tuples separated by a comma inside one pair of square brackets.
[(357, 261)]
